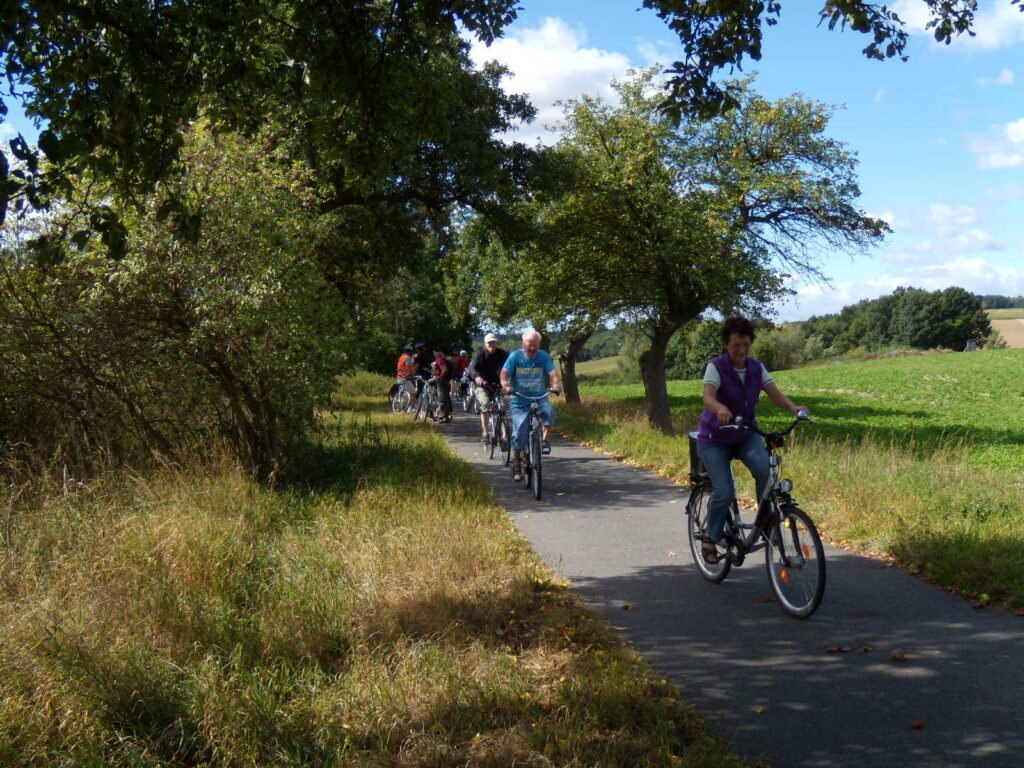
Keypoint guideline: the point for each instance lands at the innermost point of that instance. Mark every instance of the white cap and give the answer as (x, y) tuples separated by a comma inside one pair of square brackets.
[(490, 337)]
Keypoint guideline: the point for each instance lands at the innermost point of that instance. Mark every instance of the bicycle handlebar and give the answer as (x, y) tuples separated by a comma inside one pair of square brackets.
[(740, 423), (539, 397)]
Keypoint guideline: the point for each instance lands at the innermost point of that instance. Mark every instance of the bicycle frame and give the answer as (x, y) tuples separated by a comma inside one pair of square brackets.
[(532, 464), (773, 496)]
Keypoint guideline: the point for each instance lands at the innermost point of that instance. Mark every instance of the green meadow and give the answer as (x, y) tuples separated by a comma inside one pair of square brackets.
[(917, 458)]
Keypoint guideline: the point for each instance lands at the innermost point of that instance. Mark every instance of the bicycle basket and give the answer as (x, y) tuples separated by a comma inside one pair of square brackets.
[(697, 471)]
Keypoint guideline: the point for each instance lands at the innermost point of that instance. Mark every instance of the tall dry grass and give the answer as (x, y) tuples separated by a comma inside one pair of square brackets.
[(383, 612)]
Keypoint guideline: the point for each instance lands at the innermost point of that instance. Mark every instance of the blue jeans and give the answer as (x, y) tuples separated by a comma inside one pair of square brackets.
[(521, 421), (718, 463)]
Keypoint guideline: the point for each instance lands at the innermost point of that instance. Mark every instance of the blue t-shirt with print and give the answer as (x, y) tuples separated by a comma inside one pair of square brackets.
[(528, 375)]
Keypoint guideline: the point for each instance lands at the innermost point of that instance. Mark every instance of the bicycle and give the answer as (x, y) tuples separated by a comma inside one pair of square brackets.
[(794, 555), (498, 432), (468, 395), (506, 420), (531, 457), (428, 404), (400, 398)]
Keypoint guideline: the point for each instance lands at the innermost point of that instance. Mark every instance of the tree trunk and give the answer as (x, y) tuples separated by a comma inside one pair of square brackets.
[(567, 364), (652, 369)]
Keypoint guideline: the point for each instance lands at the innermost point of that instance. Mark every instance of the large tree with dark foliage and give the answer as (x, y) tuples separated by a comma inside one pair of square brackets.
[(378, 95)]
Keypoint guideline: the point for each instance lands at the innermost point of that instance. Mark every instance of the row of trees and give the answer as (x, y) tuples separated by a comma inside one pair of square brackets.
[(1001, 302), (229, 201), (908, 317)]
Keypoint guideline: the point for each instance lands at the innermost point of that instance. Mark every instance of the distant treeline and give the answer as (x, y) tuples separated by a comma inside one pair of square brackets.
[(908, 317), (1002, 302)]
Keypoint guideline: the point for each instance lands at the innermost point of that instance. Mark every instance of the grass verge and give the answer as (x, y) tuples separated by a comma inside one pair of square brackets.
[(383, 613), (924, 507)]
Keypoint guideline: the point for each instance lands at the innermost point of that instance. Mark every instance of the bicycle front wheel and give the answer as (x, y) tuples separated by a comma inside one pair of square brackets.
[(696, 525), (795, 559), (535, 458), (493, 430)]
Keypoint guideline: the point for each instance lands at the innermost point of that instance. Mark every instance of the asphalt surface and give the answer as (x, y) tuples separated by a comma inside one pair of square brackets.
[(763, 679)]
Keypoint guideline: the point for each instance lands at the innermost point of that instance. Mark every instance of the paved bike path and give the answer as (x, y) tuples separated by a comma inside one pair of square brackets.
[(762, 678)]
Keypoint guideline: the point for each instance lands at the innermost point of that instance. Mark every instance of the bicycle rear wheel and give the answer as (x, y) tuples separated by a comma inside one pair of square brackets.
[(535, 458), (795, 559), (696, 524), (400, 402), (506, 446)]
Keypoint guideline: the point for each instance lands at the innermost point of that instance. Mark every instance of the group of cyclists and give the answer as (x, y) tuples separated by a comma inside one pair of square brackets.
[(416, 368), (732, 383), (528, 372), (728, 430)]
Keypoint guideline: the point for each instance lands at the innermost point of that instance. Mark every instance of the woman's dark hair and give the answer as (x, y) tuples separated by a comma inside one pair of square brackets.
[(738, 325)]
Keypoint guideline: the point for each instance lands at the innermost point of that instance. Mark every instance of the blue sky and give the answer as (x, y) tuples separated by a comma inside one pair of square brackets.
[(940, 138)]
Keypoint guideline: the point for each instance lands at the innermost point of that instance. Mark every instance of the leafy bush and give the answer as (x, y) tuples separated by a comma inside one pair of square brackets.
[(232, 331)]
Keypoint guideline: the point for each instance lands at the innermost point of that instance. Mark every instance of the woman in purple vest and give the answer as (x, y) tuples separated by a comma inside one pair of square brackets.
[(732, 385)]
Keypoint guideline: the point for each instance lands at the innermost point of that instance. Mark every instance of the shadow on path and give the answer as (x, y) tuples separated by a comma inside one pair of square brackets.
[(764, 679)]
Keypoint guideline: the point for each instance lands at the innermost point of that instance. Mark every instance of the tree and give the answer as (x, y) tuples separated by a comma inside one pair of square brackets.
[(682, 219), (690, 350), (722, 33), (908, 317), (365, 84), (379, 99), (524, 269), (938, 319)]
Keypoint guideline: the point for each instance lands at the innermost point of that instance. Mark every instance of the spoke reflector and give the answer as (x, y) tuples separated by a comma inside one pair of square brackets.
[(807, 552), (784, 575)]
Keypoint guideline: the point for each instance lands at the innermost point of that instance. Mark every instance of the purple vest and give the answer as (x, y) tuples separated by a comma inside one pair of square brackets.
[(740, 397)]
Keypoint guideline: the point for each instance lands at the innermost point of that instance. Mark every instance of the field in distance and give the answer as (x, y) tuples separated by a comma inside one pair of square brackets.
[(1010, 324), (915, 402), (602, 366)]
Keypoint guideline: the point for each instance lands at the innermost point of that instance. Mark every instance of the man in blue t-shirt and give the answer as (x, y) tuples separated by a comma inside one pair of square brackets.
[(526, 372)]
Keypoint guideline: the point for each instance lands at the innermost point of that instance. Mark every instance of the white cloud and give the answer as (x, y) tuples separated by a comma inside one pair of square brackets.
[(1001, 147), (879, 95), (974, 241), (655, 53), (889, 217), (951, 215), (1015, 131), (997, 25), (943, 229), (7, 131), (1003, 193), (974, 274), (1005, 77), (551, 63)]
